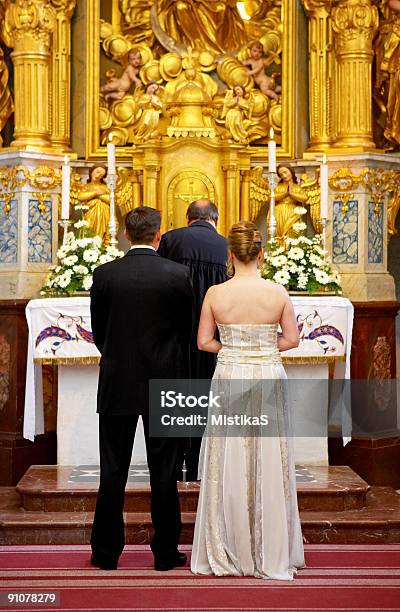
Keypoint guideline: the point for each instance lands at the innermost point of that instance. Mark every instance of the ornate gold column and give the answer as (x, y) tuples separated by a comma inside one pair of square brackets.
[(137, 188), (245, 195), (321, 73), (354, 23), (150, 185), (29, 24), (61, 75), (232, 194)]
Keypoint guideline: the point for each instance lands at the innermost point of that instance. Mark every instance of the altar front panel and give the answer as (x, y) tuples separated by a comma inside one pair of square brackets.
[(60, 333)]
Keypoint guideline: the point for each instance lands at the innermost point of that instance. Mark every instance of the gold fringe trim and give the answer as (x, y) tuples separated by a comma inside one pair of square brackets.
[(313, 360), (67, 360), (95, 360)]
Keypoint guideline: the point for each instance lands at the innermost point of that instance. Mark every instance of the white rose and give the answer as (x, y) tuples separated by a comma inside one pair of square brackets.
[(300, 210)]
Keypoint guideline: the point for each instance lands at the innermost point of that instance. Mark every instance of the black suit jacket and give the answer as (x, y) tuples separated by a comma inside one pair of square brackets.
[(142, 317)]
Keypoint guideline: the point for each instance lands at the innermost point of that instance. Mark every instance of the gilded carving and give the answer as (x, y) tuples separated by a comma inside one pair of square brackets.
[(381, 364), (381, 358), (30, 18), (41, 177), (354, 24), (185, 187), (346, 180), (5, 364), (6, 101), (188, 65), (7, 197), (321, 73)]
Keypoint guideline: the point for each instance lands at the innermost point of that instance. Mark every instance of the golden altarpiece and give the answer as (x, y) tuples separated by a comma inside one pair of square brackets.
[(178, 85)]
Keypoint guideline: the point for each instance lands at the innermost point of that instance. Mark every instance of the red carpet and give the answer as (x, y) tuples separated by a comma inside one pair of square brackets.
[(353, 577)]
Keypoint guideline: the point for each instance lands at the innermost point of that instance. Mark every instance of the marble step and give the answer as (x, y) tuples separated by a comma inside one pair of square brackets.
[(378, 522), (60, 489)]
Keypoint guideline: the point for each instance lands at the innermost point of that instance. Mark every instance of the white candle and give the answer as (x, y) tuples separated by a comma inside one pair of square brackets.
[(65, 187), (323, 181), (271, 152), (111, 155)]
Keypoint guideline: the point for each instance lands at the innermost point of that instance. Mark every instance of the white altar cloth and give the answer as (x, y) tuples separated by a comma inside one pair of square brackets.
[(60, 333)]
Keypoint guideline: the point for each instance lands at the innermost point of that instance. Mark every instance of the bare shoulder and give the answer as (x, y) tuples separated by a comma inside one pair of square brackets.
[(278, 289), (216, 290)]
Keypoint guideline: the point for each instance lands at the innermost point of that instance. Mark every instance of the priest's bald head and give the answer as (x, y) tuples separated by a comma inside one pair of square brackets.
[(202, 210)]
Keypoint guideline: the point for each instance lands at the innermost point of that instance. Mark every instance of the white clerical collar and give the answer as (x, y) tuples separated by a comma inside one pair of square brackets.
[(142, 246)]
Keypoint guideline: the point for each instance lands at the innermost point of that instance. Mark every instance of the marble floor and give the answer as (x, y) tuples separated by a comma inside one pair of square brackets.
[(139, 473)]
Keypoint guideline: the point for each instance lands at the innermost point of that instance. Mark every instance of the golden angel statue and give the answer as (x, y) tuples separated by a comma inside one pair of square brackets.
[(291, 200), (151, 106), (94, 196), (237, 112)]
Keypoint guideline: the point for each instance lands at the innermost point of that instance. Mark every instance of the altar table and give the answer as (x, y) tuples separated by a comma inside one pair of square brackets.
[(60, 333)]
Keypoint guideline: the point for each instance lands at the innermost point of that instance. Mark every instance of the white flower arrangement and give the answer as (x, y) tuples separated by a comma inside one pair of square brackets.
[(78, 257), (301, 265)]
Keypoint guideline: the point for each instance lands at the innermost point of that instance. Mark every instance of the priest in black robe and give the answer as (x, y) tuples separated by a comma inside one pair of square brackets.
[(205, 253)]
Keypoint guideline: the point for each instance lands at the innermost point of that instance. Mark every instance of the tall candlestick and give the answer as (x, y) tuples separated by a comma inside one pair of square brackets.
[(324, 187), (65, 187), (111, 155), (271, 229), (271, 152)]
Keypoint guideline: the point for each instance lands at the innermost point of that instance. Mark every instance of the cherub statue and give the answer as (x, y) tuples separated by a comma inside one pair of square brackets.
[(116, 89), (236, 109), (151, 106), (257, 63)]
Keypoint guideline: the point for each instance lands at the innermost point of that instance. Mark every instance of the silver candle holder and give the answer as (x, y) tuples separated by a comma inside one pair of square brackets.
[(64, 223), (323, 223), (111, 181), (272, 178)]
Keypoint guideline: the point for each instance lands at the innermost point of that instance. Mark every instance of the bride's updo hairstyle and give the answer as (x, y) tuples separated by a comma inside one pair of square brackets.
[(244, 241)]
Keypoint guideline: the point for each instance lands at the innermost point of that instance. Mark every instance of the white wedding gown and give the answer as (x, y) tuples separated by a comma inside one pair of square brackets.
[(247, 520)]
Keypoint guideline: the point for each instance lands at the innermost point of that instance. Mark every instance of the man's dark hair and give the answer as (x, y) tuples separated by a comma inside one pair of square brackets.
[(202, 210), (142, 224)]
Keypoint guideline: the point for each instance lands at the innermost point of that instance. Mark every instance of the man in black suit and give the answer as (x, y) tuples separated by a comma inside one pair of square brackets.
[(205, 252), (142, 317)]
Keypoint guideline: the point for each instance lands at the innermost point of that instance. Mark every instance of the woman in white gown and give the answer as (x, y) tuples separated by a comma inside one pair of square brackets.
[(247, 520)]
